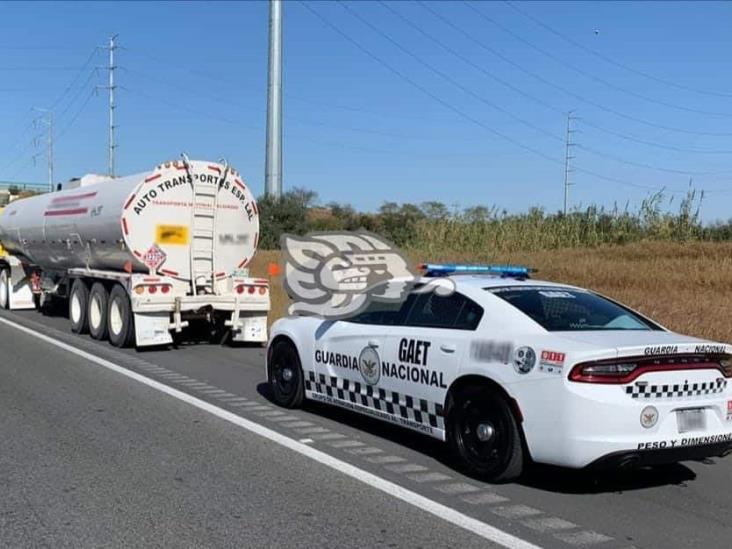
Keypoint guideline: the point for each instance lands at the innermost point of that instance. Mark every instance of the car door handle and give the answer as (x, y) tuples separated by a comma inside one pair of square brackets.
[(373, 343), (447, 348)]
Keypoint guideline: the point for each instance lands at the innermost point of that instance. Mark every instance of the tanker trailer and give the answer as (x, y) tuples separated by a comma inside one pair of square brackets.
[(138, 257)]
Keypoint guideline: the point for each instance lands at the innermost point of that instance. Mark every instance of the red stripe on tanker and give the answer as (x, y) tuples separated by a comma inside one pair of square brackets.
[(61, 199), (129, 201), (75, 211)]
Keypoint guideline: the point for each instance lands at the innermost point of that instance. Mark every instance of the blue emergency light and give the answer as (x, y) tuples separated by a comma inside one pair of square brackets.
[(444, 269)]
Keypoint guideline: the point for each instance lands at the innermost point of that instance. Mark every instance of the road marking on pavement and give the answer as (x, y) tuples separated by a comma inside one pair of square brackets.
[(585, 537), (270, 414), (312, 430), (484, 498), (429, 477), (406, 468), (382, 460), (397, 491), (306, 440), (548, 524), (456, 488), (298, 423), (366, 451), (328, 436), (516, 511), (346, 444)]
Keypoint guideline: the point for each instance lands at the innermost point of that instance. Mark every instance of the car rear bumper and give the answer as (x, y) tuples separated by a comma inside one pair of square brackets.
[(630, 459), (596, 423)]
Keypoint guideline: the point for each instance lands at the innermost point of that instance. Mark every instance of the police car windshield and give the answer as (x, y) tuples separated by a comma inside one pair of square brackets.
[(569, 310)]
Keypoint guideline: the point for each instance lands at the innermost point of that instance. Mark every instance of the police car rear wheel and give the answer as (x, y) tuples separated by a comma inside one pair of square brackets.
[(285, 375), (484, 435)]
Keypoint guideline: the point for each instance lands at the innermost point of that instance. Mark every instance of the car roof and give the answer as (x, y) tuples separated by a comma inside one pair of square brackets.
[(497, 281)]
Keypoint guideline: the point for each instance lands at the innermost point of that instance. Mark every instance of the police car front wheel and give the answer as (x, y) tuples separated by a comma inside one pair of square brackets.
[(484, 434), (285, 375)]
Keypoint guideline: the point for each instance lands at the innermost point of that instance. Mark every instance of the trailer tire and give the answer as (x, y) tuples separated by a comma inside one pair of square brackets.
[(98, 305), (4, 288), (78, 307), (119, 318)]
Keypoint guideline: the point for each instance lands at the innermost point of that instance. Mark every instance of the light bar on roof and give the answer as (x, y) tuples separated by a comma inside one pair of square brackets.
[(436, 269)]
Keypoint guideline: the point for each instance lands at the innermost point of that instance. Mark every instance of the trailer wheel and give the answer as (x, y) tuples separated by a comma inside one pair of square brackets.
[(98, 301), (119, 318), (4, 289), (78, 307)]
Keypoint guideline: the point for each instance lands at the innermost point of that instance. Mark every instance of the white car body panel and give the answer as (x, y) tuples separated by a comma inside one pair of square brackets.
[(564, 422)]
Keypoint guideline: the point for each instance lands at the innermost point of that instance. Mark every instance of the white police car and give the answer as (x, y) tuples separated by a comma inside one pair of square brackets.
[(507, 368)]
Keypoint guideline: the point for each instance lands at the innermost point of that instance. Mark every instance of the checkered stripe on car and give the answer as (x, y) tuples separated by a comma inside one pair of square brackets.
[(418, 410), (643, 390)]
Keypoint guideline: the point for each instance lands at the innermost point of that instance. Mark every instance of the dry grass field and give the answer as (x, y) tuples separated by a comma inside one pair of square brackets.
[(686, 287)]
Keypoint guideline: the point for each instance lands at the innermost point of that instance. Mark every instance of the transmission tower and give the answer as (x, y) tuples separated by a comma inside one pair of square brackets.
[(111, 87), (569, 144), (45, 120)]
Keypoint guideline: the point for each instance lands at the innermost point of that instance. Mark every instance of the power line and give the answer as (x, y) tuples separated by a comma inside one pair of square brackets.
[(73, 119), (455, 53), (589, 75), (456, 110), (549, 83), (75, 80), (44, 69), (612, 61), (558, 59)]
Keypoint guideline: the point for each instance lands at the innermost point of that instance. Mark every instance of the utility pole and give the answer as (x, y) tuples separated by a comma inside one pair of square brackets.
[(273, 161), (46, 119), (567, 159), (111, 67)]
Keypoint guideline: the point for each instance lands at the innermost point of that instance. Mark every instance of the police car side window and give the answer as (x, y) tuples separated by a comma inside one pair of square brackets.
[(455, 311), (470, 316), (378, 312)]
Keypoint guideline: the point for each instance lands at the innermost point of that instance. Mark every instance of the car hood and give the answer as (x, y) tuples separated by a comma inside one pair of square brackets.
[(644, 343)]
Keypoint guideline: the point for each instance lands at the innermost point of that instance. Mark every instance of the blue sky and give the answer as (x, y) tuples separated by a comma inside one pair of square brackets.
[(410, 102)]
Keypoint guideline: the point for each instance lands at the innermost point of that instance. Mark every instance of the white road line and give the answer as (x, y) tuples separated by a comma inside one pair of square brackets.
[(439, 510)]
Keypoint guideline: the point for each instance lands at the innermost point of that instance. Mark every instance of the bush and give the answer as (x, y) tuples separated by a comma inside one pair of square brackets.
[(481, 233)]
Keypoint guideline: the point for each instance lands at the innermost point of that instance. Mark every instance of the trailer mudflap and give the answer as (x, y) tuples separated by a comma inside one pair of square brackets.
[(152, 329)]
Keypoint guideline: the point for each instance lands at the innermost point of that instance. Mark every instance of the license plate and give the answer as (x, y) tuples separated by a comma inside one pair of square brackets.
[(691, 420)]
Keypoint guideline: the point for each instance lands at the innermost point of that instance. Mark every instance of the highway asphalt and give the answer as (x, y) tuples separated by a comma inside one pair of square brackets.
[(91, 457)]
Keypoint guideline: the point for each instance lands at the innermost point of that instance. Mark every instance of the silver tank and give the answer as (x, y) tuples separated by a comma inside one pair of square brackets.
[(197, 216), (72, 228)]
